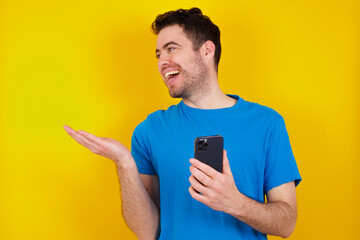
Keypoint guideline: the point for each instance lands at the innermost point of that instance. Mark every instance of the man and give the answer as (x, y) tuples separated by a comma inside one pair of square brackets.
[(167, 196)]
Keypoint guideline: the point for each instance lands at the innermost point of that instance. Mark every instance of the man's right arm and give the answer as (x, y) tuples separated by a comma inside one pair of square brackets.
[(140, 201), (139, 193)]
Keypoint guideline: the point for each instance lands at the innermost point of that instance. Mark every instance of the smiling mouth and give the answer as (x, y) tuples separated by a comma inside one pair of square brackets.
[(171, 74)]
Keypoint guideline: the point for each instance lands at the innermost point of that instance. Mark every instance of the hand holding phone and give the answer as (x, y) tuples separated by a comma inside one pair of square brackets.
[(209, 150)]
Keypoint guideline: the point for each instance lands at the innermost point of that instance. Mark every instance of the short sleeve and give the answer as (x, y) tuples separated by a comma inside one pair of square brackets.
[(280, 165), (140, 149)]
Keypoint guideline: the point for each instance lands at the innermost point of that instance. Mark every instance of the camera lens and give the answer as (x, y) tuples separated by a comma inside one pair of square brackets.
[(200, 148), (205, 145), (200, 142)]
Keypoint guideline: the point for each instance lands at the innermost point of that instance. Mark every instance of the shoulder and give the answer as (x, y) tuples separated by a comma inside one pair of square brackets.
[(155, 118), (262, 112), (162, 114)]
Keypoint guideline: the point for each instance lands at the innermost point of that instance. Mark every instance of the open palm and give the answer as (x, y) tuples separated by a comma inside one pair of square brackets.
[(106, 147)]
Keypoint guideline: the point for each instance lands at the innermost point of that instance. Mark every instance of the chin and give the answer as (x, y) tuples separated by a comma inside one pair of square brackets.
[(175, 94)]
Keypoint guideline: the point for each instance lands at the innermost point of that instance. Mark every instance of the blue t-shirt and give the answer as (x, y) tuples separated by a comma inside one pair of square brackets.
[(258, 150)]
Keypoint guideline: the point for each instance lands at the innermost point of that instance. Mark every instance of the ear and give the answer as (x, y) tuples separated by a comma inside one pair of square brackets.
[(208, 50)]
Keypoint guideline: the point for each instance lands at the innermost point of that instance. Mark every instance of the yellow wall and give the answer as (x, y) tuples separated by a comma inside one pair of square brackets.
[(91, 65)]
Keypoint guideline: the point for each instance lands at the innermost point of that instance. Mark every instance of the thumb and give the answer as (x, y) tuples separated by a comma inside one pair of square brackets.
[(226, 165)]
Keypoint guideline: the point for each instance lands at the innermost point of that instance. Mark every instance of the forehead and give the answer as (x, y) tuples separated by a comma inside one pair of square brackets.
[(173, 33)]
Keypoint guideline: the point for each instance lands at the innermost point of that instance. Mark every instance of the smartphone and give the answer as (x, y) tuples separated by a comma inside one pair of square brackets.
[(209, 150)]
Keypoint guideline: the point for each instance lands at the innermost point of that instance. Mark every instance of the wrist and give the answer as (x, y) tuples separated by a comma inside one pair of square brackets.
[(125, 162), (240, 206)]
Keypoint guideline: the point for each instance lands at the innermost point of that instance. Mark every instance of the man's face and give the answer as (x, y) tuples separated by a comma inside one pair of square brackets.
[(181, 68)]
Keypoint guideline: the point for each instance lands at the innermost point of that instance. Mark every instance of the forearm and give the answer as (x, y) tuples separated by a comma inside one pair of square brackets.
[(140, 212), (274, 218)]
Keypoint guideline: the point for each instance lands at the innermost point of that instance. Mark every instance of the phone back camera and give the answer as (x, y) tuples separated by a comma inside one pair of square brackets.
[(200, 148), (200, 142), (205, 144)]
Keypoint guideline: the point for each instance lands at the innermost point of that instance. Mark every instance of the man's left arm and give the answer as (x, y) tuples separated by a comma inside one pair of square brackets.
[(219, 192)]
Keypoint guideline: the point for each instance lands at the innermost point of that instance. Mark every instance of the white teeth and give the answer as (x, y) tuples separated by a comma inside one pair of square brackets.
[(168, 74)]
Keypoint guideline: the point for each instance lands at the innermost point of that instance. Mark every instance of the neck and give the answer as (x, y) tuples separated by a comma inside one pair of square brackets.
[(213, 98)]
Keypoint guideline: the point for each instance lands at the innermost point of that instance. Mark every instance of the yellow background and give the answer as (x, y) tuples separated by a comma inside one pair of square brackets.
[(91, 65)]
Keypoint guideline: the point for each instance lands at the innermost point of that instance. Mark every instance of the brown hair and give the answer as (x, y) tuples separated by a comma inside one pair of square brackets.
[(198, 28)]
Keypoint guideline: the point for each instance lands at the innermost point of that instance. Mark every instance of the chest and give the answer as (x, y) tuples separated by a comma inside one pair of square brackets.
[(175, 146)]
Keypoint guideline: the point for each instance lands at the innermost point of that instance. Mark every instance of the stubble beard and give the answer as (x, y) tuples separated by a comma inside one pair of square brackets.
[(194, 81)]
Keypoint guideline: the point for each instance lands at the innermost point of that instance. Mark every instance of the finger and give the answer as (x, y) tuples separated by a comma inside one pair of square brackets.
[(204, 168), (86, 142), (197, 196), (97, 142), (83, 141), (69, 129), (79, 138), (83, 136), (200, 176), (226, 165), (90, 137), (198, 186)]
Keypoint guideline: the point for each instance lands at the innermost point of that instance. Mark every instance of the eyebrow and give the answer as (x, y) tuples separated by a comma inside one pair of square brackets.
[(167, 44)]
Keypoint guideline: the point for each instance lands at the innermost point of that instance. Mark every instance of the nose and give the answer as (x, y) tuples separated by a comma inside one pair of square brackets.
[(164, 60)]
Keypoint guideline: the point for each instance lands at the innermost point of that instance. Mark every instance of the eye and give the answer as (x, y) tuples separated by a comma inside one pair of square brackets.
[(157, 56), (170, 49)]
